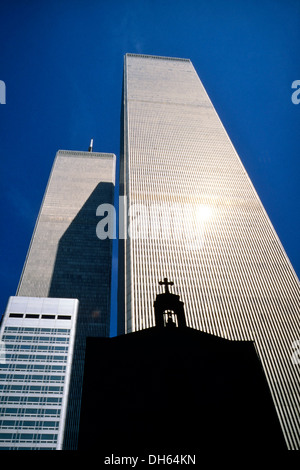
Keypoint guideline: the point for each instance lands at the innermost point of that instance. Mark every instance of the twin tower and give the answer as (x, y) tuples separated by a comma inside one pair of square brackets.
[(190, 214)]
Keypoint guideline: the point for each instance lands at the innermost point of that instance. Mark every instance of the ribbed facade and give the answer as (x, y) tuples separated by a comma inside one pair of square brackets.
[(195, 217)]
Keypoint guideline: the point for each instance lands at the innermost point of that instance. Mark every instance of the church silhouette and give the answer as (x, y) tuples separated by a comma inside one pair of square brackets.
[(171, 388)]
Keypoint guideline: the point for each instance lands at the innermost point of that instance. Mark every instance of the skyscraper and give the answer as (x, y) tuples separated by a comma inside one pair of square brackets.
[(66, 259), (194, 216)]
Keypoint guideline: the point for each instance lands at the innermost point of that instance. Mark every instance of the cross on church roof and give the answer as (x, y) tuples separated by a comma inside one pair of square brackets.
[(166, 283)]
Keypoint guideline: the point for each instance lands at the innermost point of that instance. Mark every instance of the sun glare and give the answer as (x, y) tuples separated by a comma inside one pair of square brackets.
[(203, 213)]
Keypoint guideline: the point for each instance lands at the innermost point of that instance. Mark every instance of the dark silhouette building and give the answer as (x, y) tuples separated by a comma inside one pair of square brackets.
[(171, 388)]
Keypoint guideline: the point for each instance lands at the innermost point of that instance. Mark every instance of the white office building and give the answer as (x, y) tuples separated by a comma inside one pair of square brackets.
[(36, 349)]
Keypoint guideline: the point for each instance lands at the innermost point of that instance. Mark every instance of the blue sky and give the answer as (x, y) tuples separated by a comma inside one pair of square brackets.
[(62, 65)]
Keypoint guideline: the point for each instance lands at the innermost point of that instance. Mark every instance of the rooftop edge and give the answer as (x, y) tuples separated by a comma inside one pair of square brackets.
[(82, 152), (129, 54)]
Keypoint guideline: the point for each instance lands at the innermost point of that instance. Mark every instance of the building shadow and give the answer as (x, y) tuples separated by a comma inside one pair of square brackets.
[(82, 271), (82, 267)]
